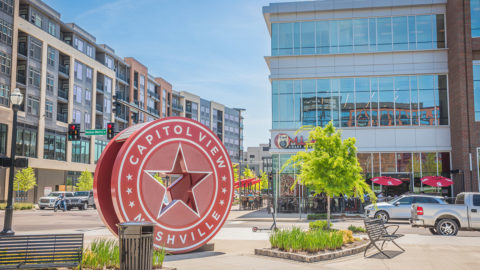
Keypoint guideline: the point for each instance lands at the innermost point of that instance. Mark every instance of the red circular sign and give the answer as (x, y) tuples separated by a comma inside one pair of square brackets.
[(177, 174)]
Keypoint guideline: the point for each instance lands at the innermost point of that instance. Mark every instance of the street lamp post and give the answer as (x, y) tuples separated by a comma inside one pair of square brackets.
[(16, 98)]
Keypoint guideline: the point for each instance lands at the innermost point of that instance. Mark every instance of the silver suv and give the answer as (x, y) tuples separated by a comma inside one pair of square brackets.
[(399, 208), (49, 201)]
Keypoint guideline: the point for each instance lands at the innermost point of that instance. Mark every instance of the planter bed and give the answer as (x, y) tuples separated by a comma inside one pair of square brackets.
[(349, 249)]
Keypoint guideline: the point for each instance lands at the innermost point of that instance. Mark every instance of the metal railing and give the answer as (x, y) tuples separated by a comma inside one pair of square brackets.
[(99, 107), (63, 68), (153, 111), (22, 49), (122, 76), (62, 117), (63, 93), (100, 86), (21, 79), (177, 107), (122, 96)]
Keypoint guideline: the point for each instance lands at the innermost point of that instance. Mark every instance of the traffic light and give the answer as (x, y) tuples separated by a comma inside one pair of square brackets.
[(73, 132), (110, 132)]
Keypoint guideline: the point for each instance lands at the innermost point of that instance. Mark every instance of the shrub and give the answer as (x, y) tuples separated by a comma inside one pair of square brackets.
[(18, 206), (310, 241), (319, 225), (356, 229), (347, 236), (316, 216), (104, 253)]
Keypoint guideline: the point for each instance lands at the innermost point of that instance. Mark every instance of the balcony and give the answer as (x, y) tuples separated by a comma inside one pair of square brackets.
[(22, 79), (63, 93), (100, 87), (122, 77), (98, 126), (135, 101), (122, 96), (99, 107), (154, 95), (177, 107), (135, 83), (121, 117), (63, 69), (62, 117), (153, 111), (22, 49)]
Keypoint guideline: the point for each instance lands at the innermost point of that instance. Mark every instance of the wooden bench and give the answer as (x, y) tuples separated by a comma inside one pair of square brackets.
[(377, 232), (41, 251)]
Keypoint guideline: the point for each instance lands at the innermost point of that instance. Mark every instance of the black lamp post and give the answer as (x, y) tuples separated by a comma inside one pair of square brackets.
[(16, 98)]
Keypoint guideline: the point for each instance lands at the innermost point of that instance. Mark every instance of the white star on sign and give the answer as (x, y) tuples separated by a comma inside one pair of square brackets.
[(224, 178), (132, 204), (224, 190), (129, 190), (129, 177), (222, 202)]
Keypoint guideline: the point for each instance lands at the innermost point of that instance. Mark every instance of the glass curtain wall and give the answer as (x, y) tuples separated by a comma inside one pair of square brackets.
[(421, 32), (54, 146), (475, 17), (81, 151), (361, 102)]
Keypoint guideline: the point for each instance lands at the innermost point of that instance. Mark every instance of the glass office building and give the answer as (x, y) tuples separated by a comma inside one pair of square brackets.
[(380, 72)]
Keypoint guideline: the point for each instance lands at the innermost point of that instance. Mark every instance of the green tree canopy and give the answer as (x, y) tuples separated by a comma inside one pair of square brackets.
[(329, 165), (263, 180), (85, 181), (248, 173), (24, 180), (236, 175)]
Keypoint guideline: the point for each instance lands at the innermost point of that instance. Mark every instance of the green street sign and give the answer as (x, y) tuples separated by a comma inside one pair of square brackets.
[(91, 132)]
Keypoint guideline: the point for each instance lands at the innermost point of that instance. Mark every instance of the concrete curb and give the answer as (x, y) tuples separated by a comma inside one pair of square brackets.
[(311, 258)]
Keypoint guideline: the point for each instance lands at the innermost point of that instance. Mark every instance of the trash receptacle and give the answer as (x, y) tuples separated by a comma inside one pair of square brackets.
[(136, 245)]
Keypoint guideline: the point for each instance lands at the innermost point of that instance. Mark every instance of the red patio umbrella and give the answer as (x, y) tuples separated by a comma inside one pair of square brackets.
[(437, 181), (386, 181)]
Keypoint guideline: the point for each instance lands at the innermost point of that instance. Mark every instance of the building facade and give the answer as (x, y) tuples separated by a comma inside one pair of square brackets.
[(225, 122), (258, 159), (66, 77), (398, 76)]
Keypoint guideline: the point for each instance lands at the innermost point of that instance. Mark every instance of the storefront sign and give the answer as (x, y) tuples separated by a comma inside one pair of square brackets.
[(173, 172), (284, 141)]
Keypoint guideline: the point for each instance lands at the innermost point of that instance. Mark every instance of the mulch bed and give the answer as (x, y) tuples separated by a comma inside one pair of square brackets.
[(302, 256)]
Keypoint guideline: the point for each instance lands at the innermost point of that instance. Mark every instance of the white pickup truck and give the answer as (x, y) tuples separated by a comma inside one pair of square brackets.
[(448, 219)]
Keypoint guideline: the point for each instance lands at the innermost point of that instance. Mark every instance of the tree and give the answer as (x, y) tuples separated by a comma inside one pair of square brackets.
[(85, 181), (24, 180), (248, 173), (263, 180), (158, 178), (236, 175), (329, 165)]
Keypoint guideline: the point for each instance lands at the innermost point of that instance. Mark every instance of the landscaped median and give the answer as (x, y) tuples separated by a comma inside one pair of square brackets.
[(317, 244)]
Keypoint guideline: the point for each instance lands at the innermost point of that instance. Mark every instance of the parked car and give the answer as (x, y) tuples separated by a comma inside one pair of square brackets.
[(449, 219), (85, 199), (49, 201), (399, 208)]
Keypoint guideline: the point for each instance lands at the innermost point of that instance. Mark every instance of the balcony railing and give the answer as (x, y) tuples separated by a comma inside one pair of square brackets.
[(122, 96), (135, 101), (63, 93), (99, 107), (153, 111), (98, 126), (122, 116), (21, 79), (135, 83), (62, 117), (63, 68), (100, 86), (22, 49), (154, 95), (177, 107), (122, 76)]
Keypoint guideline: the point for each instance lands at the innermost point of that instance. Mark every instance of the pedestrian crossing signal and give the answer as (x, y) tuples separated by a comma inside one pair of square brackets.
[(110, 132), (73, 132)]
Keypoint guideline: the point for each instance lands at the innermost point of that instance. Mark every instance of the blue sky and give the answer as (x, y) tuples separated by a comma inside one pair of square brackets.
[(213, 48)]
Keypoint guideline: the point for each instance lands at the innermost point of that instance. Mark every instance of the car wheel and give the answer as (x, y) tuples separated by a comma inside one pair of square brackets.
[(447, 227), (433, 231), (42, 207), (382, 215)]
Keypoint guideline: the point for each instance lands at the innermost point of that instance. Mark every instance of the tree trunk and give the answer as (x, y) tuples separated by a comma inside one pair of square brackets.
[(328, 212)]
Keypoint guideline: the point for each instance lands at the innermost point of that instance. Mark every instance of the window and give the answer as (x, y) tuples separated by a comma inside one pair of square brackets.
[(108, 85), (362, 35), (50, 82), (33, 105), (51, 53), (405, 200), (90, 51), (88, 120), (7, 6), (425, 200), (26, 141), (77, 94), (5, 63), (4, 94), (460, 199), (6, 32), (52, 28), (54, 145), (88, 72), (88, 97), (3, 139), (77, 116), (48, 109), (36, 18), (81, 151), (476, 200), (99, 147), (107, 105), (476, 89), (475, 16), (78, 70), (36, 49), (34, 76), (109, 62), (78, 44)]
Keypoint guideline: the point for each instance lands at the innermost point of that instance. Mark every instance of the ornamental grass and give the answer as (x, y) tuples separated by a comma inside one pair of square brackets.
[(311, 241)]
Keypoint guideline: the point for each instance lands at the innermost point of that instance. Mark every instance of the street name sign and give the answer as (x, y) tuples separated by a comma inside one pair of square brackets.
[(91, 132)]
